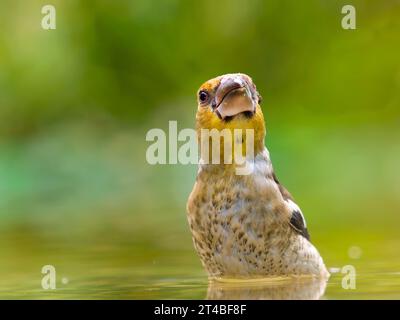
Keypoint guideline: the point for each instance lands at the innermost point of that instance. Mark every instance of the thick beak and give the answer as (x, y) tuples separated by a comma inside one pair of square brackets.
[(234, 95)]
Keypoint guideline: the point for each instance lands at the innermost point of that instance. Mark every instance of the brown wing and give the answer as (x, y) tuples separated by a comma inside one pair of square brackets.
[(297, 221)]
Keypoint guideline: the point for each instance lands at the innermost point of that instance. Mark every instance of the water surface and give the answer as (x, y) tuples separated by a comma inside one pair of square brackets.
[(116, 263)]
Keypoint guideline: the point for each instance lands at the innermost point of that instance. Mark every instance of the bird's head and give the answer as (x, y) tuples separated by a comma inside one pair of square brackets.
[(231, 101)]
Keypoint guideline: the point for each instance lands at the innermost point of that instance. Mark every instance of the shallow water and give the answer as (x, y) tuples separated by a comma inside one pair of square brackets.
[(114, 264), (123, 284)]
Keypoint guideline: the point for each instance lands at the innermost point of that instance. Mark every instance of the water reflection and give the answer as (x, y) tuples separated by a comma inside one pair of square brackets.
[(267, 289)]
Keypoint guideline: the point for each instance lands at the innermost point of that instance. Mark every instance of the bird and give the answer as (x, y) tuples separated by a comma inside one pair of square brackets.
[(244, 225)]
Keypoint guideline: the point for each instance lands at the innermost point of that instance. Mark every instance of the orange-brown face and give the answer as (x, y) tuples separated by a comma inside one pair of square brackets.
[(230, 101)]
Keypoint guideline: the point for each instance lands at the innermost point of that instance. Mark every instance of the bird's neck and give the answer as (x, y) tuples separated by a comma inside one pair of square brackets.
[(229, 145), (259, 164)]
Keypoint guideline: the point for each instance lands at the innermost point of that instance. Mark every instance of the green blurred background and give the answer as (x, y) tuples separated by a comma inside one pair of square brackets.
[(76, 191)]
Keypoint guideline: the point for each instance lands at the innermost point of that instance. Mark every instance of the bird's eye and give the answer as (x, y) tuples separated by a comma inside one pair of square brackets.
[(203, 96)]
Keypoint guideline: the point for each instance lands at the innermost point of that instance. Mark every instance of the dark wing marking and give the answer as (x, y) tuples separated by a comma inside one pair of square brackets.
[(297, 220), (297, 223)]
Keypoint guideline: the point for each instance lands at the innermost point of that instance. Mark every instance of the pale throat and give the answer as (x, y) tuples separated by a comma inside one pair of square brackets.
[(260, 165)]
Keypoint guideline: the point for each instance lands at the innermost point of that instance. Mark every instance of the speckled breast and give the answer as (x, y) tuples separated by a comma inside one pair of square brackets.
[(240, 227)]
